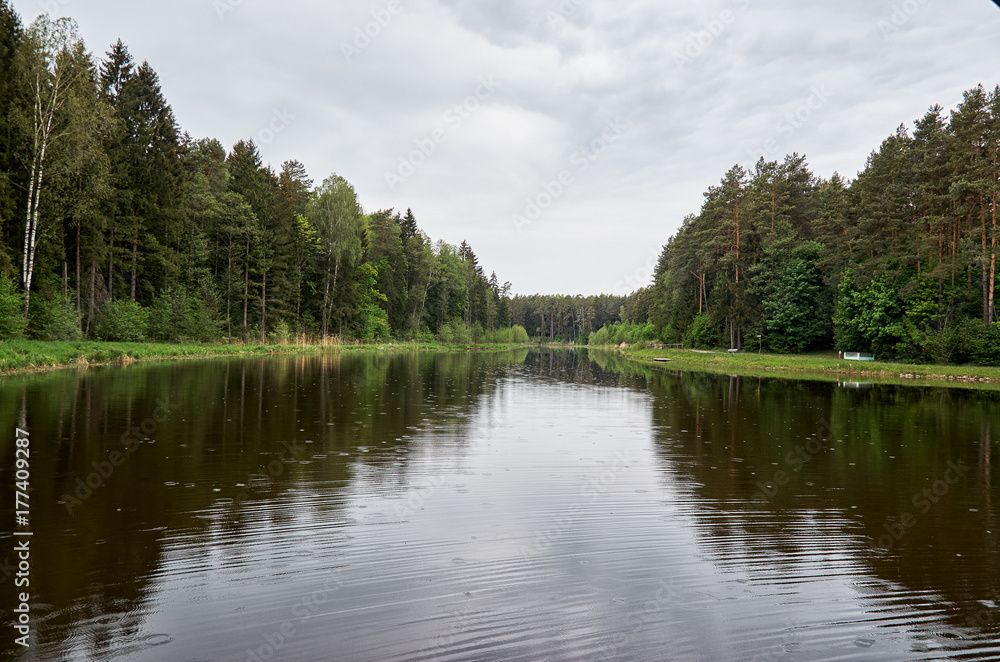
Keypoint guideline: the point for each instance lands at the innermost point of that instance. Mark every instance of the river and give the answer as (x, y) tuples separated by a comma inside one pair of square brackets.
[(529, 505)]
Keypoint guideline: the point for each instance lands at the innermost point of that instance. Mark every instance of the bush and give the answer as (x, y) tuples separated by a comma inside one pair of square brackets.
[(453, 332), (671, 336), (281, 335), (177, 317), (515, 334), (12, 322), (700, 335), (123, 321), (376, 324), (55, 319), (599, 337)]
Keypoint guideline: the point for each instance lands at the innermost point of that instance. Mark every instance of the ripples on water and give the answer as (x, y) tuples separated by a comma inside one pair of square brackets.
[(526, 506)]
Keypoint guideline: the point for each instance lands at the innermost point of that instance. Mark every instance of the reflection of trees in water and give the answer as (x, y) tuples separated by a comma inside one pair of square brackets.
[(237, 434), (777, 467)]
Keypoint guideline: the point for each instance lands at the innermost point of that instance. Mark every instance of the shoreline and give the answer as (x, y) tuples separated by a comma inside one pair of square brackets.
[(816, 367), (25, 357)]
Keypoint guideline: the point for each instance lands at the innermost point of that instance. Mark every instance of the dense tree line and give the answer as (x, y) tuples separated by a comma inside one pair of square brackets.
[(901, 261), (116, 224)]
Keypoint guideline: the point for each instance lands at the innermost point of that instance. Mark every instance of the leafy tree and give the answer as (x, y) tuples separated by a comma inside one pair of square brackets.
[(336, 214), (123, 321), (798, 312), (12, 321)]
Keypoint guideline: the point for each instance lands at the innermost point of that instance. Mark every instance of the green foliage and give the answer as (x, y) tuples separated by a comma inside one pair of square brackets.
[(12, 322), (55, 319), (701, 335), (454, 332), (874, 318), (798, 311), (123, 321), (600, 337), (620, 333), (281, 335), (178, 318)]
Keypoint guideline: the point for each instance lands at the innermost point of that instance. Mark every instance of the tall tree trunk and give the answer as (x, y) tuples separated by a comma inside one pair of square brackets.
[(246, 294), (135, 252), (92, 302), (993, 256), (111, 265), (326, 303), (79, 310), (246, 286), (263, 311), (229, 293), (737, 238)]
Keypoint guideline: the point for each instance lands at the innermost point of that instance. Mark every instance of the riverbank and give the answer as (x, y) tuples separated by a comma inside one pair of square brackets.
[(818, 365), (26, 356)]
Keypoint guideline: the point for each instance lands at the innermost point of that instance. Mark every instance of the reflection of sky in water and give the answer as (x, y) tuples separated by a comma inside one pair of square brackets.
[(541, 520)]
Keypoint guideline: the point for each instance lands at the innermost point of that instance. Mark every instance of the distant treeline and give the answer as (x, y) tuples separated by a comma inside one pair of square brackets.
[(114, 224)]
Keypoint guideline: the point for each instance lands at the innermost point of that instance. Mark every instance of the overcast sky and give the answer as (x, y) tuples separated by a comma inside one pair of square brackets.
[(565, 140)]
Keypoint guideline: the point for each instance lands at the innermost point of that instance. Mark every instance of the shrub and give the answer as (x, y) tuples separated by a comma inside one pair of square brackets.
[(123, 321), (376, 324), (599, 337), (700, 335), (12, 322), (178, 318), (55, 319), (515, 334), (519, 334), (281, 335), (453, 332)]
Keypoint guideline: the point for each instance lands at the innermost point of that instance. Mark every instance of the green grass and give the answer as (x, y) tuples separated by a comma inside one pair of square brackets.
[(823, 365), (20, 356)]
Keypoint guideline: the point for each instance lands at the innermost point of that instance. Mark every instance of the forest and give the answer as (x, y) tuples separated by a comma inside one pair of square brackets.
[(116, 225), (900, 261)]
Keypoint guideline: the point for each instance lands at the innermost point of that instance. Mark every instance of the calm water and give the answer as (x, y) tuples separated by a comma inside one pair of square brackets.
[(523, 506)]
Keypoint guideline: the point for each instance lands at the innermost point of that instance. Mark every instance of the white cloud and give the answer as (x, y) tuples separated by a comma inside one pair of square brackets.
[(563, 74)]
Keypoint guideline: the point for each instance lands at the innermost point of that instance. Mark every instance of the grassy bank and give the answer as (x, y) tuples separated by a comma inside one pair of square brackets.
[(21, 356), (819, 365)]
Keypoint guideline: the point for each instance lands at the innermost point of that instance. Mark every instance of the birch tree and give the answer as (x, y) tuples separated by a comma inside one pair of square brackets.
[(337, 216), (48, 63)]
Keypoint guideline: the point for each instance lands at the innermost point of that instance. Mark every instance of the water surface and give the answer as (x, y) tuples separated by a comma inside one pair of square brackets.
[(531, 506)]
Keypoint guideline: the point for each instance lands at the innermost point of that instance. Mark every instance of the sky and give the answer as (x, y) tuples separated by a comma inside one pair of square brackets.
[(565, 140)]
